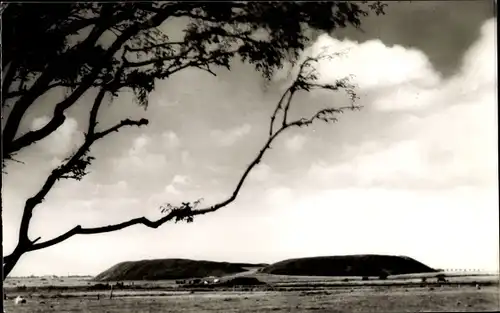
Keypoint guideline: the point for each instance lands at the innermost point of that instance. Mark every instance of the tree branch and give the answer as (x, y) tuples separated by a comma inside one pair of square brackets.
[(11, 145), (155, 224), (152, 47), (10, 73), (78, 24), (201, 63), (23, 92), (125, 122), (326, 115), (278, 107), (71, 164), (287, 106), (75, 164), (135, 64), (180, 214)]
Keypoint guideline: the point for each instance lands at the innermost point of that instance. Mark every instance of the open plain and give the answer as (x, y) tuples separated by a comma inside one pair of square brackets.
[(461, 293)]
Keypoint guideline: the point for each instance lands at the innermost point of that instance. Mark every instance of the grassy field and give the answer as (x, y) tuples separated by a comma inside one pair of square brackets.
[(367, 300), (285, 294)]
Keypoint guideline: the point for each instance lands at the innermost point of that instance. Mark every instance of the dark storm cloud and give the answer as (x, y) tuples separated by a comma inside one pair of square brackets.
[(443, 30)]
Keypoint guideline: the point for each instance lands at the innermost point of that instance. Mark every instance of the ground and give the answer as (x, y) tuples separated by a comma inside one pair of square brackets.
[(287, 294)]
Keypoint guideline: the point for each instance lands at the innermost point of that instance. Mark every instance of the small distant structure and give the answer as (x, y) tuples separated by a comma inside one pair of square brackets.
[(210, 280), (441, 278), (199, 281), (19, 300)]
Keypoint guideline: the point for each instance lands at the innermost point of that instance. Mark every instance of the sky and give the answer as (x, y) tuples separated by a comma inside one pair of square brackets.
[(414, 173)]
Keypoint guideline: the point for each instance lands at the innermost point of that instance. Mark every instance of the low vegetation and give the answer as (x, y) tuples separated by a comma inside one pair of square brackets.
[(390, 300)]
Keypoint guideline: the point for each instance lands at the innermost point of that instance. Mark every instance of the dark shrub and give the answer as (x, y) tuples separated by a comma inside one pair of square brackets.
[(441, 278), (99, 287), (242, 281)]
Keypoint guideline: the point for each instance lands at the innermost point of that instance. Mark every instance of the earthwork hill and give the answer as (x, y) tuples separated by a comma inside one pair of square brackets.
[(348, 265)]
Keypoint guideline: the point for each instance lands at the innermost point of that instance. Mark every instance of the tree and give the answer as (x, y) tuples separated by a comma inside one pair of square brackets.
[(114, 47)]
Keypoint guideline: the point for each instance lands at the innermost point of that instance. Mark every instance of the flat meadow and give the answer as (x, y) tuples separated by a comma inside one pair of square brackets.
[(462, 293)]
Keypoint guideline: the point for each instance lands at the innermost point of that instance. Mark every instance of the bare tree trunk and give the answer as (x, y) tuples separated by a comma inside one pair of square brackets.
[(5, 70), (11, 262)]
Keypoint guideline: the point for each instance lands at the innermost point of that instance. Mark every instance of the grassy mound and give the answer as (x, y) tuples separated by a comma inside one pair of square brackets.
[(170, 269), (348, 265)]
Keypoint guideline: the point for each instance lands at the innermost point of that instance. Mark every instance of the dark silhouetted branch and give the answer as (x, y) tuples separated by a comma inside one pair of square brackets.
[(23, 92), (157, 46), (11, 145), (126, 122), (155, 224), (74, 167), (186, 212), (40, 86), (9, 73), (279, 106)]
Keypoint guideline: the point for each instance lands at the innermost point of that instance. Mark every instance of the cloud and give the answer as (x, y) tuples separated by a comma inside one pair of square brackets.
[(450, 143), (399, 77), (181, 180), (170, 139), (138, 158), (395, 167), (296, 142), (261, 173), (186, 158), (477, 64), (171, 189), (372, 64), (63, 140), (176, 185), (94, 192), (139, 144), (474, 82), (229, 137)]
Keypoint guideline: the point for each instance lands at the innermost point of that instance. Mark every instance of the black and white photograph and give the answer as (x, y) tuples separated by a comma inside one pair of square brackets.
[(250, 156)]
